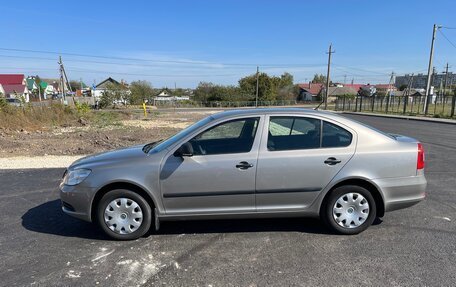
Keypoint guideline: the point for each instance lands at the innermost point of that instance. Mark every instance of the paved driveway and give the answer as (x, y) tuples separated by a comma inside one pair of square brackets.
[(416, 246)]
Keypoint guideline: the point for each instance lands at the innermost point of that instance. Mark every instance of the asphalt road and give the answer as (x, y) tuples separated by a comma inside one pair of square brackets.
[(39, 245)]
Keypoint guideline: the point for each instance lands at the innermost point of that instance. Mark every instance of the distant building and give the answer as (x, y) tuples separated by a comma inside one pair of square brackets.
[(101, 87), (309, 92), (166, 95), (14, 86), (335, 92), (420, 80)]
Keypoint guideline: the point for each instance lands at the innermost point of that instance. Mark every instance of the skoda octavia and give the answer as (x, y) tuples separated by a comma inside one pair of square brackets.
[(246, 164)]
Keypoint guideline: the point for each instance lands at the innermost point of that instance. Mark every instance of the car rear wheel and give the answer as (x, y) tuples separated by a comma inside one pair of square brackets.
[(349, 209), (124, 214)]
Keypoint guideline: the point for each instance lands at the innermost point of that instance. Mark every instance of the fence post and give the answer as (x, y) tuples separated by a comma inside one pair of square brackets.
[(361, 103), (405, 105), (343, 103), (453, 103), (372, 104), (387, 103)]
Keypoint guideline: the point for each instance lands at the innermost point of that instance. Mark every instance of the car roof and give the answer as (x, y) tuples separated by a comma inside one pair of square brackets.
[(353, 124), (271, 111)]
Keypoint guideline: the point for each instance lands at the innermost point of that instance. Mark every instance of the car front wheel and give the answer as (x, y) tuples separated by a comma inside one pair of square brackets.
[(349, 209), (124, 214)]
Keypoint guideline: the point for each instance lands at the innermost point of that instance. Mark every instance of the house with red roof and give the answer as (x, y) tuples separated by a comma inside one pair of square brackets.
[(14, 86), (309, 92)]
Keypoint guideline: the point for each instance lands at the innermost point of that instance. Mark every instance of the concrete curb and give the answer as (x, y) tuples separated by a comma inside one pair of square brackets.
[(412, 118)]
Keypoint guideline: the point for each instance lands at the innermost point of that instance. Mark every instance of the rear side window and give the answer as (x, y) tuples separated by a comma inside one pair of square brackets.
[(294, 133), (335, 136), (290, 133)]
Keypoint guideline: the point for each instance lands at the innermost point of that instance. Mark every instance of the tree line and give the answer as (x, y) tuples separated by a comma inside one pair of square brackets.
[(270, 88)]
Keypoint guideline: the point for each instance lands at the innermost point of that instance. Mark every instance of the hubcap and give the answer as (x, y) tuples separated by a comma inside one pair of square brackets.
[(123, 216), (351, 210)]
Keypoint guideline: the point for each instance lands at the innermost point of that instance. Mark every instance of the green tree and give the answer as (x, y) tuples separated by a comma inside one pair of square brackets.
[(319, 79), (270, 88), (113, 94), (139, 92), (75, 85)]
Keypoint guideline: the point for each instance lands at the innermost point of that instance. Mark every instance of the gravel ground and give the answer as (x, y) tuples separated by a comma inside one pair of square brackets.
[(48, 161), (88, 139)]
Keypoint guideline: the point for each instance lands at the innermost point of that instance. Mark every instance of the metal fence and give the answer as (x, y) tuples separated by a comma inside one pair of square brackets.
[(439, 106), (221, 104)]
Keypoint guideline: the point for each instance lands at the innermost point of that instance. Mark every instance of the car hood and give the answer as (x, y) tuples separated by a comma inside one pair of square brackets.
[(118, 155)]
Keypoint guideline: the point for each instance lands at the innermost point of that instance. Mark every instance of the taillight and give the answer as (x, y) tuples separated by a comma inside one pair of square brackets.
[(420, 160)]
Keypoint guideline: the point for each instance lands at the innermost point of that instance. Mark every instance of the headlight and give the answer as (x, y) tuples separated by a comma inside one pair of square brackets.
[(74, 177)]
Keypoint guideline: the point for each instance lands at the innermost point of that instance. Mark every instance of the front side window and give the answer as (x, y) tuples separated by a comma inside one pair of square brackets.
[(291, 133), (234, 136)]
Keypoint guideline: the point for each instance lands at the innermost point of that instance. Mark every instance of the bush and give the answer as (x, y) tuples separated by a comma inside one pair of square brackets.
[(82, 108)]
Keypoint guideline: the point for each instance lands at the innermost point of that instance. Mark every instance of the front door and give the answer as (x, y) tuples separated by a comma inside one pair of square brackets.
[(299, 158), (220, 175)]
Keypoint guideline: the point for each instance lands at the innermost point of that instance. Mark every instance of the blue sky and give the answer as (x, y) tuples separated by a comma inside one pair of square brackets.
[(185, 42)]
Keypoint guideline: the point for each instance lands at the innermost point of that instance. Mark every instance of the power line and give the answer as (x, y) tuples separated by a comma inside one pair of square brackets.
[(153, 61), (363, 70), (77, 69), (449, 41)]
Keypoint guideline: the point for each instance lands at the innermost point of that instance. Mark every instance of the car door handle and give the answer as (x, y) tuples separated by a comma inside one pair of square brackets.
[(244, 165), (332, 161)]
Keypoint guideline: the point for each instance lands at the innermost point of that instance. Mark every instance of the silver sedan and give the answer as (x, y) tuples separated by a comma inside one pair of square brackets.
[(246, 164)]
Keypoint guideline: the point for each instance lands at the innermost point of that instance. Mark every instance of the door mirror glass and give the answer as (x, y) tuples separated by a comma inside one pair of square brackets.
[(184, 150)]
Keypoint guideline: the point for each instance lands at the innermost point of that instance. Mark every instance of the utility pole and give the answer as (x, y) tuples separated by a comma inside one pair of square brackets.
[(257, 82), (428, 84), (330, 52), (345, 79), (62, 82)]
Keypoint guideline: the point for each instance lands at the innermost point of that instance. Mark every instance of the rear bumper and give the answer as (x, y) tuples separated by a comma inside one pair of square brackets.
[(76, 201), (402, 192)]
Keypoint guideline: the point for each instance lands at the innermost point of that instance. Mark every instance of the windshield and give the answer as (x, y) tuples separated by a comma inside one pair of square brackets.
[(180, 135)]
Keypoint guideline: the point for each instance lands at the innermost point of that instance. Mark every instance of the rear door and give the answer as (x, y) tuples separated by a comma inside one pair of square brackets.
[(298, 158)]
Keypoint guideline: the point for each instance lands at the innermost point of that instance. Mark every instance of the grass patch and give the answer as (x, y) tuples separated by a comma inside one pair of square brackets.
[(33, 118)]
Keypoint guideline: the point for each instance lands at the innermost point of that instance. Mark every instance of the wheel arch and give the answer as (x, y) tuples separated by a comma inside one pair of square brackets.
[(119, 185), (372, 188)]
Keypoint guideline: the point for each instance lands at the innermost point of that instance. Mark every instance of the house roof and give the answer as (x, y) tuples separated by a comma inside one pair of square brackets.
[(43, 84), (340, 91), (11, 89), (11, 79), (354, 86), (385, 86), (311, 88), (108, 80)]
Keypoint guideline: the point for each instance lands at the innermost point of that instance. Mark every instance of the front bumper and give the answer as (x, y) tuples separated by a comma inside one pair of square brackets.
[(77, 201), (402, 192)]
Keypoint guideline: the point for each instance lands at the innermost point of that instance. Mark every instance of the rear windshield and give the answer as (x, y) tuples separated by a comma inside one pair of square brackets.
[(375, 129)]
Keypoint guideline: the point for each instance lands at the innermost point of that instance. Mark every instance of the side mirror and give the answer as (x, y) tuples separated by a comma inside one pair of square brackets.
[(184, 150)]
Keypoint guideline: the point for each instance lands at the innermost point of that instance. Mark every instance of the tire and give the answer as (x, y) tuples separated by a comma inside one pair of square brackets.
[(124, 214), (349, 209)]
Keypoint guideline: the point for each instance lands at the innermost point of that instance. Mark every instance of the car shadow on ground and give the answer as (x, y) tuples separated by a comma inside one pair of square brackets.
[(304, 225), (49, 218)]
